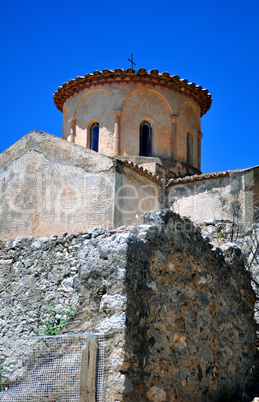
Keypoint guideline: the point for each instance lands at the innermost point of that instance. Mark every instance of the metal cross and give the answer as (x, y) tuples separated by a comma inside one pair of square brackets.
[(132, 62)]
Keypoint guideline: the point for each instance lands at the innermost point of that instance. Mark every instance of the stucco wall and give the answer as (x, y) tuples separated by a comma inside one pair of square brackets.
[(224, 198), (95, 106), (146, 105), (188, 123), (49, 187), (134, 195)]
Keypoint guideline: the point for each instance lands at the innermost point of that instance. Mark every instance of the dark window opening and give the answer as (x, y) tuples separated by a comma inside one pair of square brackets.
[(188, 145), (145, 139), (94, 137)]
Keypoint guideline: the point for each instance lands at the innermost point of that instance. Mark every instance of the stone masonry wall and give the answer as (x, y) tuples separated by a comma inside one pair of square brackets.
[(61, 271), (178, 318)]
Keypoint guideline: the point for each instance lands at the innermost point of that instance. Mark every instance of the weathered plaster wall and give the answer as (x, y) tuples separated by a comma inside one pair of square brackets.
[(188, 123), (222, 198), (134, 195), (96, 106), (154, 291), (145, 105), (251, 184), (48, 187)]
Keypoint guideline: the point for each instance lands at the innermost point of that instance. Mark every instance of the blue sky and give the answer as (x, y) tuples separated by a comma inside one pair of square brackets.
[(211, 43)]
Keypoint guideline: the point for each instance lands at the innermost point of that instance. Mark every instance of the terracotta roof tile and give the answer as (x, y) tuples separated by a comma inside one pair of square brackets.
[(179, 180), (152, 77), (143, 172), (196, 177)]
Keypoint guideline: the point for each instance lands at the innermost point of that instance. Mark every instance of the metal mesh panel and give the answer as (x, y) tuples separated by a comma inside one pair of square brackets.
[(46, 368)]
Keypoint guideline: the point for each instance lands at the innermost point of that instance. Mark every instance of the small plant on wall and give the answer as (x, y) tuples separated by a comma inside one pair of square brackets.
[(53, 320)]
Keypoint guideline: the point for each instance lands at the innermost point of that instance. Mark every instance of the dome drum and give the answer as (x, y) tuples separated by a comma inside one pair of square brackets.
[(136, 114)]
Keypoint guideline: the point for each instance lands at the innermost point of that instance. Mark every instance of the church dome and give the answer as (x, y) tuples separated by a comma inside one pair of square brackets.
[(136, 116)]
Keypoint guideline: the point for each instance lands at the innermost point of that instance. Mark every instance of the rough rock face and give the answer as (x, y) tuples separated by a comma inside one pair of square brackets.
[(193, 329), (177, 313), (235, 234)]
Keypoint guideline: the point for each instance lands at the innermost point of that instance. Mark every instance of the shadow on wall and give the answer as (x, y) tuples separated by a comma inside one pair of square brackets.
[(185, 339)]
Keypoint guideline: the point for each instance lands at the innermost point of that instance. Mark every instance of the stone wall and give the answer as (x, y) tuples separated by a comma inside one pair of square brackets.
[(177, 315), (63, 271)]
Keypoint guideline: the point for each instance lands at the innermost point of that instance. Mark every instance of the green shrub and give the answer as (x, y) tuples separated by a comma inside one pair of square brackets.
[(54, 320)]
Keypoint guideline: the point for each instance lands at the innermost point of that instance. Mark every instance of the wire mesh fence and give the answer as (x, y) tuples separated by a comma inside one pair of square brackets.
[(49, 368)]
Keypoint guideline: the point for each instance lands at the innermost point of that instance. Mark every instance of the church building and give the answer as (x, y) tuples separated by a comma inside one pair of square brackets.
[(131, 143)]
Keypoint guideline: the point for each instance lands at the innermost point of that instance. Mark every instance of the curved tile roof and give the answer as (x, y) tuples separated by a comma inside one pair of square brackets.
[(143, 172), (179, 180), (196, 177), (152, 77)]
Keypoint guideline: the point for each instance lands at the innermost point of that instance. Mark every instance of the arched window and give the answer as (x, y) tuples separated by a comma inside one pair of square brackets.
[(145, 139), (94, 137), (188, 148)]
